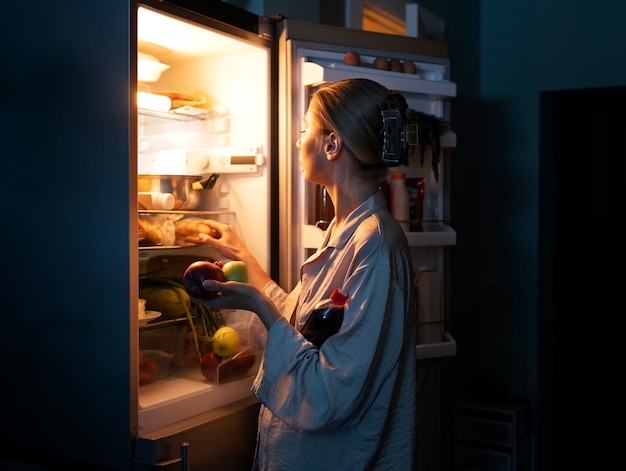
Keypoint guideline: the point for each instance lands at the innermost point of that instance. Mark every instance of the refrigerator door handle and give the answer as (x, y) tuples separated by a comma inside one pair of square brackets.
[(184, 456)]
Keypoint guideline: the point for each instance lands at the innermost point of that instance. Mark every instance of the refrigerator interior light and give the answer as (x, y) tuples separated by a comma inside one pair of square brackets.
[(152, 102)]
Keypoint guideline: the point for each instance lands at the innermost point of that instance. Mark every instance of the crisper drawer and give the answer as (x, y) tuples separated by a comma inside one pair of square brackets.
[(178, 398), (223, 438)]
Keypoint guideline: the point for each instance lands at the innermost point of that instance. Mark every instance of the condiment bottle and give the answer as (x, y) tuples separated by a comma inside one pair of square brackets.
[(326, 318), (399, 199)]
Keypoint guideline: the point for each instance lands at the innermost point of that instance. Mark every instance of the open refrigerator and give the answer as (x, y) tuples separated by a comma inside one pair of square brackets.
[(250, 93), (240, 134)]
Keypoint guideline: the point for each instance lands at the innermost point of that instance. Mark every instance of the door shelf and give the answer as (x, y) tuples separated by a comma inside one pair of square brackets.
[(320, 70), (431, 351), (434, 234)]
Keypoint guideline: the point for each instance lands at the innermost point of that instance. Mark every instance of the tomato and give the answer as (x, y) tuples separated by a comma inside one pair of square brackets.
[(146, 369)]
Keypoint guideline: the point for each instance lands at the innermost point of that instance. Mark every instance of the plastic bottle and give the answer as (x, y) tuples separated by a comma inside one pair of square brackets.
[(326, 318), (400, 199)]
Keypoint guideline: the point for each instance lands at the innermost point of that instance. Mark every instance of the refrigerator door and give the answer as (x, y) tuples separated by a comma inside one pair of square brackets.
[(312, 54)]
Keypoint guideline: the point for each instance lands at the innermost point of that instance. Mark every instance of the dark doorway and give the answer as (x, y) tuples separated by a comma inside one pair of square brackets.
[(582, 203)]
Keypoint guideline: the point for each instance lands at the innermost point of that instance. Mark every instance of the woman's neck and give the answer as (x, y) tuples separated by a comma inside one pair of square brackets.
[(346, 198)]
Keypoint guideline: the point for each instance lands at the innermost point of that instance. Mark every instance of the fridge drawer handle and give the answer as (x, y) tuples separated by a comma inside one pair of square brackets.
[(184, 456)]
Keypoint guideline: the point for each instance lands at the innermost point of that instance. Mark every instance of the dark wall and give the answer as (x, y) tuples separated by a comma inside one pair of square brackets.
[(66, 136), (504, 55)]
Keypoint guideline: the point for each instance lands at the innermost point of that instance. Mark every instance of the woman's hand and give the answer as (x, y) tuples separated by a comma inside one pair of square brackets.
[(236, 295), (222, 237), (225, 240)]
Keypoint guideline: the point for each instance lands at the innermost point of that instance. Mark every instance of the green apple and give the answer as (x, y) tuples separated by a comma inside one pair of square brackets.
[(236, 270)]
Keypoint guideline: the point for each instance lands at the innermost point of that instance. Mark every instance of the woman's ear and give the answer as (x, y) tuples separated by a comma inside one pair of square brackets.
[(333, 145)]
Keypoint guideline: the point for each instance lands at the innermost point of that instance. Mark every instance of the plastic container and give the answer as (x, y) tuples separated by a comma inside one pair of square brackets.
[(399, 196), (221, 370), (325, 319), (154, 365)]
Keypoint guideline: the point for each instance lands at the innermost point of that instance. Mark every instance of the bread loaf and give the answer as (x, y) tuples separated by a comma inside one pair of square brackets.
[(152, 232)]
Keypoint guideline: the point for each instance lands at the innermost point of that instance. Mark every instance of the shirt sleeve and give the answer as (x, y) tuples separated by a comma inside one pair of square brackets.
[(284, 302)]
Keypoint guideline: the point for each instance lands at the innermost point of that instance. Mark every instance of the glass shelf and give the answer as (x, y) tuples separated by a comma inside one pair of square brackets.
[(148, 116), (165, 227)]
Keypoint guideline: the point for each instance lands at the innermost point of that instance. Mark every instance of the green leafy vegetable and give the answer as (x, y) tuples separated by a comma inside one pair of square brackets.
[(430, 128)]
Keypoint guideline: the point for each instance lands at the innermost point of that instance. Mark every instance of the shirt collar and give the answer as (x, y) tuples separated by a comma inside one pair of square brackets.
[(370, 206)]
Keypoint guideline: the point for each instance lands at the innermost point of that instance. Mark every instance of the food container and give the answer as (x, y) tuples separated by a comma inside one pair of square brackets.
[(221, 370), (215, 369), (161, 338), (149, 69), (179, 186), (154, 365)]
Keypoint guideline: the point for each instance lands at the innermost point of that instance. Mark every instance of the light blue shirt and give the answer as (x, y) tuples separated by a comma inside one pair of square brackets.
[(351, 404)]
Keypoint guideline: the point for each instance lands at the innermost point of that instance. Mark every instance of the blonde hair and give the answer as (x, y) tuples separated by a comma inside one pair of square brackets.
[(353, 108)]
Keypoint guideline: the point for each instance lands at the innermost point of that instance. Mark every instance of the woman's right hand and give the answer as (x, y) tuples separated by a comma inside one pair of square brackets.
[(223, 238)]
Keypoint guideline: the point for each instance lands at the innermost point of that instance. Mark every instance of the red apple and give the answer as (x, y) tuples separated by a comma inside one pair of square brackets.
[(238, 365), (243, 360), (209, 364), (199, 271)]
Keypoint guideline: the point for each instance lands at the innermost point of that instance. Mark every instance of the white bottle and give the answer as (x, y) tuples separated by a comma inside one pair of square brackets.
[(399, 199)]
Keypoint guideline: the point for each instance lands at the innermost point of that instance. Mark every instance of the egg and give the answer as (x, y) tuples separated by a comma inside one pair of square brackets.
[(409, 67), (381, 63), (352, 58), (395, 65)]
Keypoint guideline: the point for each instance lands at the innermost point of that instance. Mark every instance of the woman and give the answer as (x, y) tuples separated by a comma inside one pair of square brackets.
[(349, 404)]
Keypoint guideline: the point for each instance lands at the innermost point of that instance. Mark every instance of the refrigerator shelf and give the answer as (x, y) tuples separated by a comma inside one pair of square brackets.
[(431, 351), (145, 116), (201, 214), (165, 220)]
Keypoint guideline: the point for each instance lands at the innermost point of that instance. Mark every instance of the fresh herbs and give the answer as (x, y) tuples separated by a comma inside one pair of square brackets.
[(430, 128)]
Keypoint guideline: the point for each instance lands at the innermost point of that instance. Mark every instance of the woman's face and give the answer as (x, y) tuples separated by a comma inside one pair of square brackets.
[(311, 155)]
